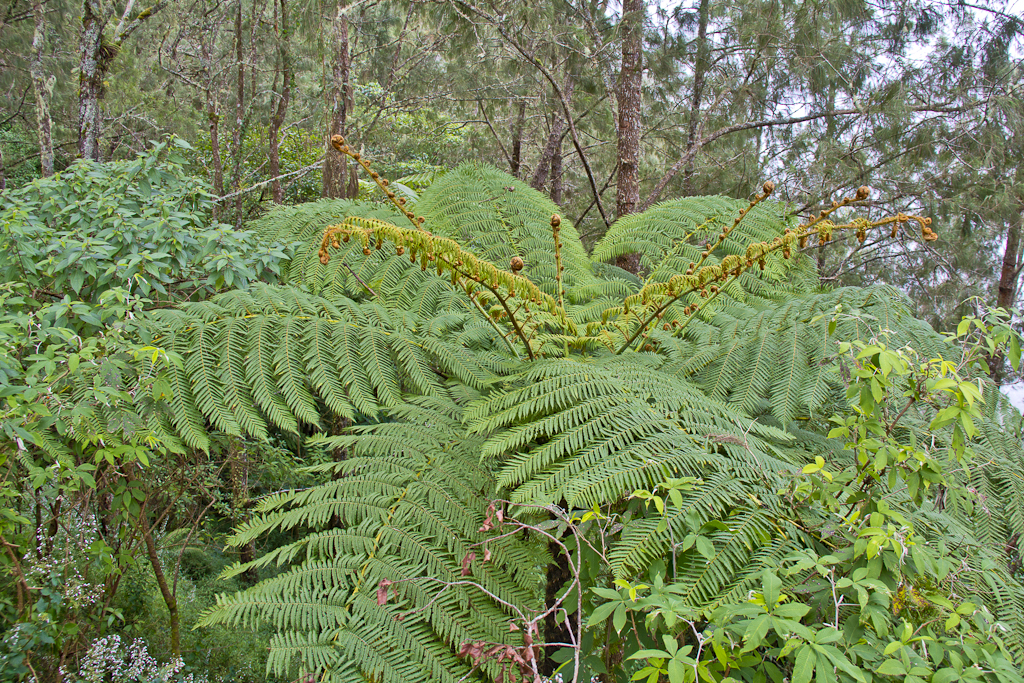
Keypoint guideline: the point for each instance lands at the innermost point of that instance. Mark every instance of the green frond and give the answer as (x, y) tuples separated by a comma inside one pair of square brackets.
[(497, 217), (591, 432), (278, 356), (406, 506), (672, 234)]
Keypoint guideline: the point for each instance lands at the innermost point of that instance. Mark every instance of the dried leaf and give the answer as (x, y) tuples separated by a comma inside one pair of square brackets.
[(382, 591), (466, 561)]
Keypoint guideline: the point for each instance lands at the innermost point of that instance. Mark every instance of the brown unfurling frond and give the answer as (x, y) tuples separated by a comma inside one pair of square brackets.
[(654, 298), (463, 267)]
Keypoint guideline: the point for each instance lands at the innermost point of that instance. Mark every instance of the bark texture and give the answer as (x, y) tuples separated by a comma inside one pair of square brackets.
[(627, 195), (96, 52), (1009, 273), (165, 590), (339, 104), (283, 97), (238, 132), (41, 89), (90, 82), (551, 156), (517, 139)]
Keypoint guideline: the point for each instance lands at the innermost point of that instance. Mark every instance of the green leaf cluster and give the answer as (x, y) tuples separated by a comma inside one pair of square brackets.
[(668, 437)]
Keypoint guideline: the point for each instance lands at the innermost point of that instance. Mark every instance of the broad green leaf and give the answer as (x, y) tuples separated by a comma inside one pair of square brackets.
[(891, 667), (803, 669)]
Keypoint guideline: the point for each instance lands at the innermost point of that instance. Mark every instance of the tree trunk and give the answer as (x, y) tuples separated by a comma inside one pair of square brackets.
[(237, 132), (339, 105), (1009, 274), (517, 139), (90, 83), (699, 71), (627, 195), (213, 120), (277, 120), (556, 174), (41, 88), (238, 465), (165, 589), (553, 147), (96, 53)]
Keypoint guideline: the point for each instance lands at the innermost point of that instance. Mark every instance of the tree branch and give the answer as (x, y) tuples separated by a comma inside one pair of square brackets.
[(263, 183), (500, 26), (693, 150)]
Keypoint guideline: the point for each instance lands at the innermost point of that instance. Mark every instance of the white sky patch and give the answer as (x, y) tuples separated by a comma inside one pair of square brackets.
[(1015, 392)]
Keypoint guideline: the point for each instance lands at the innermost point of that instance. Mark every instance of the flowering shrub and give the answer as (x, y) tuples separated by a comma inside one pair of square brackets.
[(112, 660)]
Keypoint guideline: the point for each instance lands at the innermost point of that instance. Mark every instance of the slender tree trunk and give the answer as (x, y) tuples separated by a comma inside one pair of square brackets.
[(1009, 274), (213, 121), (553, 147), (165, 589), (90, 83), (41, 88), (1006, 295), (699, 71), (277, 120), (3, 176), (238, 465), (339, 106), (237, 132), (556, 174), (517, 138), (628, 96)]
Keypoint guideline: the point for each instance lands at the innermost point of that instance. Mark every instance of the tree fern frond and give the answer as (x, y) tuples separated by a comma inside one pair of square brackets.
[(278, 356), (406, 507)]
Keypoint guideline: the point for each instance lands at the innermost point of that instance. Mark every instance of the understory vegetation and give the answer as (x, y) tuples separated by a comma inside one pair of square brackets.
[(430, 437)]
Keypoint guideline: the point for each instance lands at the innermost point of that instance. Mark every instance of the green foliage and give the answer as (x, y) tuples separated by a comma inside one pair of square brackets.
[(878, 596), (671, 235), (276, 356), (142, 225), (665, 438), (402, 515)]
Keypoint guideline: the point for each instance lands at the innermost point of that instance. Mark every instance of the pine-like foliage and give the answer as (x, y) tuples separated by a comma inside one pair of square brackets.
[(566, 385)]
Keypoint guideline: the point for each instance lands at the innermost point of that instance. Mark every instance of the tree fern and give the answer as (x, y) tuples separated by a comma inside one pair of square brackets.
[(300, 355), (671, 235), (590, 431), (404, 507), (475, 380)]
